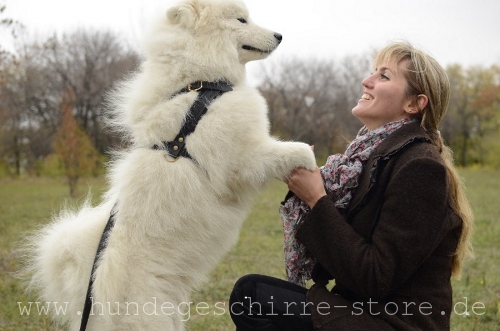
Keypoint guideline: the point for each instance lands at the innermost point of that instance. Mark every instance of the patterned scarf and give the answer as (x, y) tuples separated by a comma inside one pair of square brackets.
[(340, 174)]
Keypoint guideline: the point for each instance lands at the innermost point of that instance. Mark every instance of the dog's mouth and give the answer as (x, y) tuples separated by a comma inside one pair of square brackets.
[(254, 49)]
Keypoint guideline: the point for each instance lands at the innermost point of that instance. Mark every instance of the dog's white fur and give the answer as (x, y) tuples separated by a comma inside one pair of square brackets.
[(175, 220)]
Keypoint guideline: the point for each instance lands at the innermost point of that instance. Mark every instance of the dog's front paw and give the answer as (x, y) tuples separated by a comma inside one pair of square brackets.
[(304, 157), (281, 158), (296, 155)]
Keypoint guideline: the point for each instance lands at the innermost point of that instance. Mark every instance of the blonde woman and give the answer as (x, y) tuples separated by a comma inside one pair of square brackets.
[(387, 220)]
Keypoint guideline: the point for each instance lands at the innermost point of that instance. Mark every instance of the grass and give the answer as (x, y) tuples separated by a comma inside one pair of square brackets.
[(480, 281), (26, 203)]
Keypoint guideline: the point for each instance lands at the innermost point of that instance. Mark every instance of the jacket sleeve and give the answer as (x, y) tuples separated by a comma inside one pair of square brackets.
[(409, 228)]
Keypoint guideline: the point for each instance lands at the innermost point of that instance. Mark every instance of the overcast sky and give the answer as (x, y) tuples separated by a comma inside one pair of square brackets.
[(453, 31)]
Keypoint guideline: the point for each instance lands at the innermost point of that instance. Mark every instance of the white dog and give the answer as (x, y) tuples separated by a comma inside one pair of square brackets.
[(174, 220)]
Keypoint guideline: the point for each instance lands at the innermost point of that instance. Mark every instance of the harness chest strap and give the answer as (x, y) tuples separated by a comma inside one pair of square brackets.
[(207, 92)]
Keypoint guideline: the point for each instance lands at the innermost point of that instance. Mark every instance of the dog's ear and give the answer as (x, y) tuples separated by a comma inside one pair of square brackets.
[(184, 14)]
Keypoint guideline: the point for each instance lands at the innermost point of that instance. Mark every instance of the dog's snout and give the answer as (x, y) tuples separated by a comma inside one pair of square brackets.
[(278, 36)]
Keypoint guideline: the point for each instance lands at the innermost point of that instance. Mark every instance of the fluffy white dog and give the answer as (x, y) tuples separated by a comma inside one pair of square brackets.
[(174, 220)]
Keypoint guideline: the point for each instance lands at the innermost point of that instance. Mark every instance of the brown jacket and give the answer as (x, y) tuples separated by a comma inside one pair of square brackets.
[(390, 253)]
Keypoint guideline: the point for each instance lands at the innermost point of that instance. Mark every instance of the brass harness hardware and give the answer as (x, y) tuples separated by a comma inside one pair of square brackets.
[(173, 159), (190, 89)]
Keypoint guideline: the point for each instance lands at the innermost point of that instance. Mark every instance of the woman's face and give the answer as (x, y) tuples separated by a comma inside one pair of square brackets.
[(384, 96)]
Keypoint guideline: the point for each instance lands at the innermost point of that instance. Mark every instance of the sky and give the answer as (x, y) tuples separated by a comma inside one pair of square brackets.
[(453, 31)]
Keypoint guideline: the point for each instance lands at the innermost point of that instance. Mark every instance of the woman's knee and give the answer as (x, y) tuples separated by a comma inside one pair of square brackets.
[(241, 312), (244, 287)]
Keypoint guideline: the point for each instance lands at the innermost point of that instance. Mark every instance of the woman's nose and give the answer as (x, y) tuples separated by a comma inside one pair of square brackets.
[(368, 81)]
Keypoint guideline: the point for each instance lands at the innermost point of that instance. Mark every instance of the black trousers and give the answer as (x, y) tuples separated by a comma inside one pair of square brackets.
[(269, 304)]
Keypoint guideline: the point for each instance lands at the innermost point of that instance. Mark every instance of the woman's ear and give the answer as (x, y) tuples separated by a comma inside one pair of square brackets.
[(416, 105), (422, 101)]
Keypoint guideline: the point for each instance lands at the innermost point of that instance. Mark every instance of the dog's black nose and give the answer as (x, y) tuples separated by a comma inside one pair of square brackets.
[(278, 36)]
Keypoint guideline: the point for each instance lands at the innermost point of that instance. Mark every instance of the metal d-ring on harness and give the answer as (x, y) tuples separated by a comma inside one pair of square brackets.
[(207, 92)]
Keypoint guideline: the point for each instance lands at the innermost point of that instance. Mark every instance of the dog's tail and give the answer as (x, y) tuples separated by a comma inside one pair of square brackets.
[(57, 259)]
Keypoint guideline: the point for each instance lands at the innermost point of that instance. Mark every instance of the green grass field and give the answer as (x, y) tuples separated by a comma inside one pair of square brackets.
[(26, 203)]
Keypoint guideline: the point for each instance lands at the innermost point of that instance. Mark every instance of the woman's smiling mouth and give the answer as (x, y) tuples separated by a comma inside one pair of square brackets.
[(366, 96)]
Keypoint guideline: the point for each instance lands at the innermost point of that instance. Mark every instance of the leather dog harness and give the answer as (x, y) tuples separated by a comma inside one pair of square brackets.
[(207, 92)]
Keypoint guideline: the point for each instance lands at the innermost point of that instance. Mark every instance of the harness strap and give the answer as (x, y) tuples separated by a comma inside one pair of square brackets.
[(102, 245), (207, 92)]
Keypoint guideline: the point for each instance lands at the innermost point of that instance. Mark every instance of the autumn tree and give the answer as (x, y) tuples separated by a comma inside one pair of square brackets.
[(486, 106), (34, 76), (90, 62), (11, 142), (7, 23), (311, 99), (72, 145), (473, 111)]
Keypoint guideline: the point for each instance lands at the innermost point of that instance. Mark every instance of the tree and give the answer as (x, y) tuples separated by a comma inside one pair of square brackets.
[(72, 145), (7, 22), (27, 95), (90, 62), (474, 105), (35, 75), (11, 140), (486, 106), (311, 99)]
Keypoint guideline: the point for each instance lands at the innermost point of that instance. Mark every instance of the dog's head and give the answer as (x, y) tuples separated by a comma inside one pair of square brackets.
[(213, 35)]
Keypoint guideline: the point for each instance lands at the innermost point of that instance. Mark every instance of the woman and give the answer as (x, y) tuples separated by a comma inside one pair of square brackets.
[(388, 220)]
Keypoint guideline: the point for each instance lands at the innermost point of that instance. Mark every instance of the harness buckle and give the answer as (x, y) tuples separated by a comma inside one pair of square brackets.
[(191, 89)]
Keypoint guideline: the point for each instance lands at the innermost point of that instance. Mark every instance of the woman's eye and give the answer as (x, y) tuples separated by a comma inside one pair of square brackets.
[(242, 20), (384, 76)]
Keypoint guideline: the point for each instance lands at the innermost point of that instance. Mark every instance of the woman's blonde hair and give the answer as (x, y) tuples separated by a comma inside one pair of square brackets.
[(426, 76)]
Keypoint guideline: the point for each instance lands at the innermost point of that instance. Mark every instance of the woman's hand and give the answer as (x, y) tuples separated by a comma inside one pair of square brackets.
[(307, 185)]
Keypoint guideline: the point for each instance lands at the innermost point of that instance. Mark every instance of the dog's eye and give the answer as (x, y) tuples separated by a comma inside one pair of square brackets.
[(242, 20)]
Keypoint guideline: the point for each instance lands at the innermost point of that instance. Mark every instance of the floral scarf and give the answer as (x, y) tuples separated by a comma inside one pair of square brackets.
[(340, 174)]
